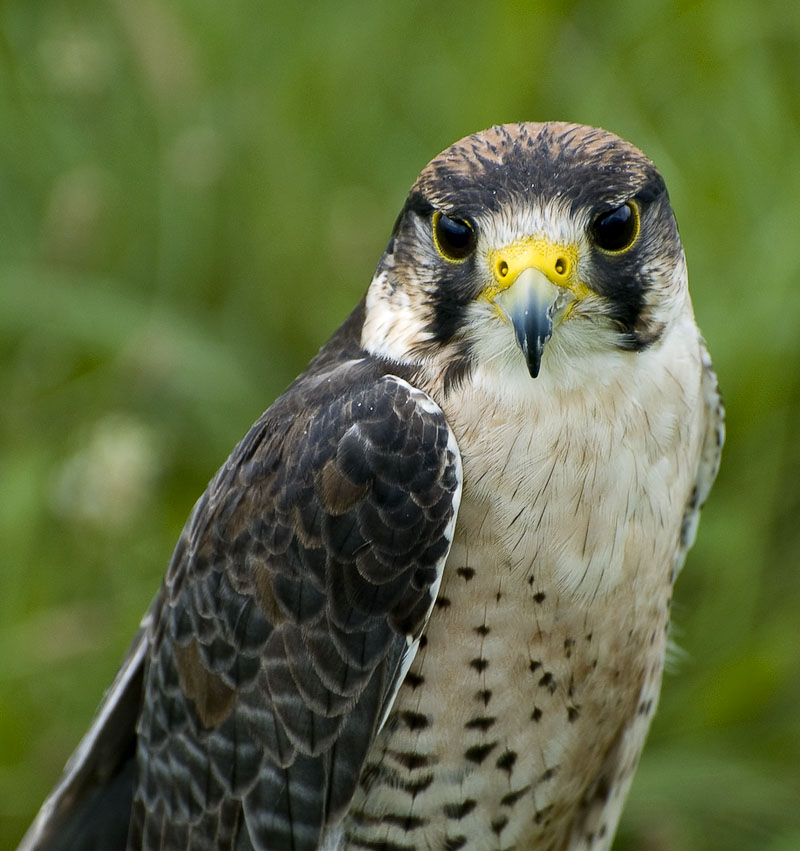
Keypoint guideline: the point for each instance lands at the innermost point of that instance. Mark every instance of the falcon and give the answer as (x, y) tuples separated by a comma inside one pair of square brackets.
[(424, 604)]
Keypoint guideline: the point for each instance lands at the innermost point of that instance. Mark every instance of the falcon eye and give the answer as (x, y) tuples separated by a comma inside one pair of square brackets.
[(616, 230), (454, 238)]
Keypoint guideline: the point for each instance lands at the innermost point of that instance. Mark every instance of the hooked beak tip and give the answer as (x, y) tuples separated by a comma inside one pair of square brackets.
[(529, 304)]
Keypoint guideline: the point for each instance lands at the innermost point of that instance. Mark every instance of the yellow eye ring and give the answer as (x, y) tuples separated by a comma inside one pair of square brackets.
[(454, 238), (616, 231)]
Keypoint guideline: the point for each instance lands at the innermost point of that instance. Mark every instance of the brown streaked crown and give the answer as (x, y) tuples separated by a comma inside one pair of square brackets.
[(587, 164)]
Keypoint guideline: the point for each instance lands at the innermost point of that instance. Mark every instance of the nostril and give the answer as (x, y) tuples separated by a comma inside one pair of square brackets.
[(561, 266), (502, 269)]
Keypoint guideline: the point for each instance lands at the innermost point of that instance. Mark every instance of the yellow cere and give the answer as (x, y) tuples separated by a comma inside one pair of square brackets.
[(557, 261)]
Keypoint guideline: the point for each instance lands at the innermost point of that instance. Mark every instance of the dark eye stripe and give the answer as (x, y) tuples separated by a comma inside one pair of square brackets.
[(454, 238)]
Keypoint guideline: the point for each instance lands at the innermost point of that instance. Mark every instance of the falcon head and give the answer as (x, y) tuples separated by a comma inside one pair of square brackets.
[(531, 245)]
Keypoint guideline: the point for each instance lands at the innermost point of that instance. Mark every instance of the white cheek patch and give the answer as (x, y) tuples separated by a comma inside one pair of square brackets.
[(392, 325)]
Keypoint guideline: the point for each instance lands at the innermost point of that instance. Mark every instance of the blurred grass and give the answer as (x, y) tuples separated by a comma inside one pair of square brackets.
[(193, 195)]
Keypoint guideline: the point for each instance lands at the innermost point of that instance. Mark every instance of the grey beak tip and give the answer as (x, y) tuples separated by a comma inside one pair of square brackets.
[(529, 304), (533, 354)]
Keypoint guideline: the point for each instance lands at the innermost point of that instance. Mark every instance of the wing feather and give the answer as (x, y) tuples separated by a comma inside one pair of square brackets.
[(304, 577), (291, 610), (710, 455)]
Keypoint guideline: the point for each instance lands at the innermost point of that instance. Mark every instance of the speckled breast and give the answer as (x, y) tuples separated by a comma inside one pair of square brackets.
[(521, 720)]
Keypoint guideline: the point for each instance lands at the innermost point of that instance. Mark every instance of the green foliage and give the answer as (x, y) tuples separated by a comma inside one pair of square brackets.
[(192, 197)]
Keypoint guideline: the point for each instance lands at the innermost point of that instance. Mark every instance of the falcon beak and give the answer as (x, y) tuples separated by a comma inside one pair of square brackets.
[(535, 285), (530, 305)]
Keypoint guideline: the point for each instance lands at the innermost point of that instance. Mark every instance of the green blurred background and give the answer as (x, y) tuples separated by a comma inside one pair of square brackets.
[(192, 196)]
